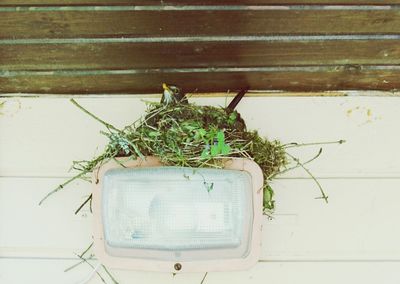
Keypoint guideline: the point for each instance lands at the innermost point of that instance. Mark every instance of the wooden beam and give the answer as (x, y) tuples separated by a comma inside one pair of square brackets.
[(129, 55), (130, 23), (203, 80), (195, 2)]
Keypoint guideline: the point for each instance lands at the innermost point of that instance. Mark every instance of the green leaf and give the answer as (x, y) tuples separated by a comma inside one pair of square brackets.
[(226, 149), (189, 126), (214, 150), (205, 154), (154, 133), (268, 195), (220, 139), (212, 132), (202, 132), (137, 151), (232, 118)]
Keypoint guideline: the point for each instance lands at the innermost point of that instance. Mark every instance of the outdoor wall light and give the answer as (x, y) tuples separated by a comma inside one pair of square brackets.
[(176, 219)]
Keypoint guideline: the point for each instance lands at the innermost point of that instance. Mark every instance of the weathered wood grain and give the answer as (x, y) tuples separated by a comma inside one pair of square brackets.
[(195, 2), (121, 23), (203, 80), (127, 55)]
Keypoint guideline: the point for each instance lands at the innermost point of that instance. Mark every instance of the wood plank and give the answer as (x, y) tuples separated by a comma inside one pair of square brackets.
[(347, 77), (120, 23), (60, 133), (52, 271), (127, 55), (194, 2), (359, 223)]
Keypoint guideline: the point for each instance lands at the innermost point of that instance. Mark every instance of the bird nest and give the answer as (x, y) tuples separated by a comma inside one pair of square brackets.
[(184, 134)]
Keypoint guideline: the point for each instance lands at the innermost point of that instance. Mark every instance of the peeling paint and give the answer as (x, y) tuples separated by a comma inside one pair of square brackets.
[(362, 115), (10, 107)]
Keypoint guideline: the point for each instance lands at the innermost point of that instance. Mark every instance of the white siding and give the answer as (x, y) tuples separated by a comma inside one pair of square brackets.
[(353, 238)]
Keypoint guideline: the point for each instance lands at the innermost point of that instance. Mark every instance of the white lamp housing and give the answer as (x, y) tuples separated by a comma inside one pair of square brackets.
[(176, 219)]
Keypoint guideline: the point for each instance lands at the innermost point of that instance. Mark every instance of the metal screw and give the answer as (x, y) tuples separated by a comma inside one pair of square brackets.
[(178, 266)]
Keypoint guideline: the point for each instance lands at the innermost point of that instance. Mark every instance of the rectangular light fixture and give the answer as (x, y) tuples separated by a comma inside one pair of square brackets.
[(176, 219)]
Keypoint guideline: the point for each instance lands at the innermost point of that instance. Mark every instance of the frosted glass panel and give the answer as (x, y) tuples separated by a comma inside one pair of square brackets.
[(177, 209)]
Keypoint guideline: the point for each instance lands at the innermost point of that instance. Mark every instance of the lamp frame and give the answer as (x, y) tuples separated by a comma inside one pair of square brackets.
[(130, 263)]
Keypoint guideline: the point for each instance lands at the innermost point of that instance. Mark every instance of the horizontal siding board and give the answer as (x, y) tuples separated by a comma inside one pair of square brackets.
[(54, 230), (46, 271), (197, 54), (90, 24), (340, 230), (149, 81), (363, 121)]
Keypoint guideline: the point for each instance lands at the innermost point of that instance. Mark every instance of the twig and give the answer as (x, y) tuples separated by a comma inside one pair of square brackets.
[(204, 278), (292, 145), (119, 162), (81, 256), (298, 165), (85, 261), (83, 204), (324, 196), (61, 186), (86, 250), (77, 264), (137, 151), (90, 205), (110, 275), (94, 116)]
